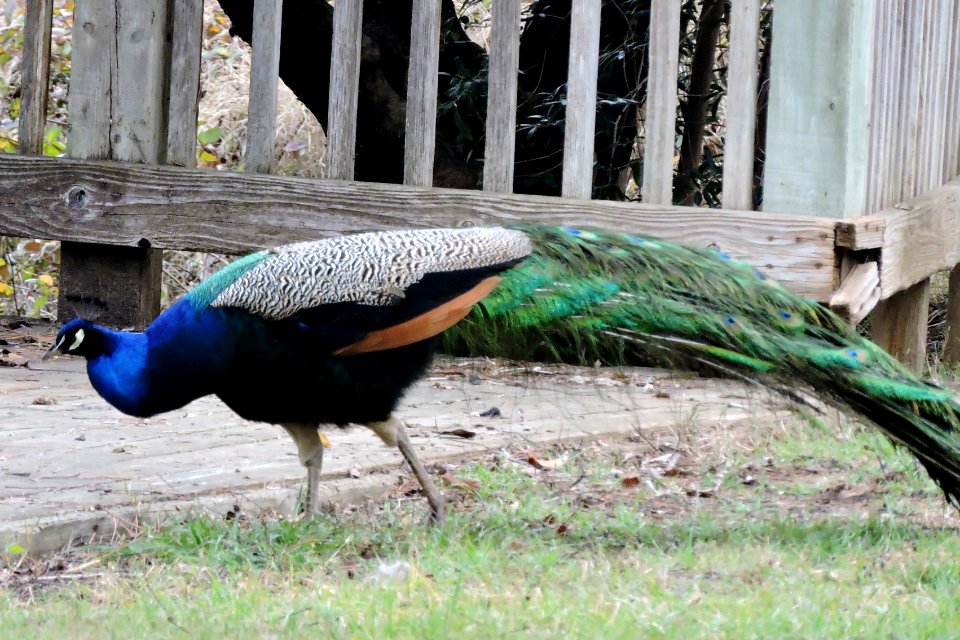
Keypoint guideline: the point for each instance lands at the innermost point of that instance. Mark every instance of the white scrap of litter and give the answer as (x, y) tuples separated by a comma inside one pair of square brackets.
[(398, 571)]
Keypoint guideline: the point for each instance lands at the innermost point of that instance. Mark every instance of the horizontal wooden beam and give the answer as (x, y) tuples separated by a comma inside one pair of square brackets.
[(202, 210), (915, 239), (858, 294)]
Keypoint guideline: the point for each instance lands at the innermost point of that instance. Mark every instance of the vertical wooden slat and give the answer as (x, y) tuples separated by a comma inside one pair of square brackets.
[(93, 60), (186, 30), (138, 130), (502, 97), (661, 115), (885, 83), (264, 78), (927, 166), (741, 113), (581, 114), (910, 99), (818, 132), (344, 89), (892, 176), (35, 72), (951, 145), (421, 128)]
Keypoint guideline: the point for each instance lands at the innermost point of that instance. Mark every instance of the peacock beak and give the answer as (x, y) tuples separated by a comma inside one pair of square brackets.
[(54, 350)]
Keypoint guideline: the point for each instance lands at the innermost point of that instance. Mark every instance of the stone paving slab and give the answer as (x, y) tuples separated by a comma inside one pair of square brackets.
[(72, 467)]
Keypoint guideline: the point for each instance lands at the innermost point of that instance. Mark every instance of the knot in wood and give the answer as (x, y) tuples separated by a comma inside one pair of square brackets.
[(77, 197)]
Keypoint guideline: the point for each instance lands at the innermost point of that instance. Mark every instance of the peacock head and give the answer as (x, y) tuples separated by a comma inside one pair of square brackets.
[(78, 337)]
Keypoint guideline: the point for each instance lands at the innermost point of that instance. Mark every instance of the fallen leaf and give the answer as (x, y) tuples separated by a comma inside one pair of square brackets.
[(553, 463), (353, 472), (460, 433), (700, 493), (323, 440), (632, 481), (44, 400), (492, 412), (457, 483)]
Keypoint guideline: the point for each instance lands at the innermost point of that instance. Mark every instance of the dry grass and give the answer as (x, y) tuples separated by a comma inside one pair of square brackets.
[(225, 89)]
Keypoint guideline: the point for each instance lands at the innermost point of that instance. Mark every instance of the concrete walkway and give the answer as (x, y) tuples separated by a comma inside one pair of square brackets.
[(72, 467)]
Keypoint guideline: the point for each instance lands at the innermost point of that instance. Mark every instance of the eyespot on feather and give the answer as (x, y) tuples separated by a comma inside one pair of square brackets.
[(643, 242), (789, 319)]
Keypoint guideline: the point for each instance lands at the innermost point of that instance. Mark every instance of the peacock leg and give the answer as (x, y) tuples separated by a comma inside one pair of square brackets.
[(310, 448), (393, 434)]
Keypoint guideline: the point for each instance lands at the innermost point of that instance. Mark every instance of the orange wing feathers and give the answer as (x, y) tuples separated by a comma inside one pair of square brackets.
[(424, 326)]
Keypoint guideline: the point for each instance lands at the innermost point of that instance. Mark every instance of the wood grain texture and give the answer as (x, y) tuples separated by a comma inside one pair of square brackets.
[(34, 74), (899, 325), (819, 104), (344, 89), (176, 208), (859, 292), (501, 136), (185, 26), (138, 129), (421, 128), (741, 111), (916, 239), (661, 110), (94, 58), (581, 110), (264, 79)]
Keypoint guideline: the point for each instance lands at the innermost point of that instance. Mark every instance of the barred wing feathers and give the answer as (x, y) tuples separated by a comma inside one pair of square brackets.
[(369, 291)]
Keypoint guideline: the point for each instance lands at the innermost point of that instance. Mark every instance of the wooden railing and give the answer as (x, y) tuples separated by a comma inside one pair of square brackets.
[(134, 100)]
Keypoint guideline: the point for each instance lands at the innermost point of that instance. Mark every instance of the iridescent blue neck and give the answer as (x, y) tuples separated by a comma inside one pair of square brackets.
[(119, 373)]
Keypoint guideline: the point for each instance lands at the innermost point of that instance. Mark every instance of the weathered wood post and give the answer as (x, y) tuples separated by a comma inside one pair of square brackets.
[(853, 126), (117, 112), (133, 97)]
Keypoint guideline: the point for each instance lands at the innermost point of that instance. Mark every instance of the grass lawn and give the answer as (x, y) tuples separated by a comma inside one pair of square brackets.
[(791, 531)]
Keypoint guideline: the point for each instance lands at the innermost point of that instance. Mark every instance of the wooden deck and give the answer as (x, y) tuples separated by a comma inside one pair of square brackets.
[(71, 467)]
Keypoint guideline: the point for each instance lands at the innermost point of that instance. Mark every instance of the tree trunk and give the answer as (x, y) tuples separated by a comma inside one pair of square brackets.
[(694, 107), (304, 66)]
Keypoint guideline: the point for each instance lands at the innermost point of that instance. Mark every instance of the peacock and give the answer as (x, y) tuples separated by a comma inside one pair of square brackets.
[(334, 331)]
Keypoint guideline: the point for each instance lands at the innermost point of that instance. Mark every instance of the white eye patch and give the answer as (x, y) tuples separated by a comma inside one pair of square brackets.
[(76, 340)]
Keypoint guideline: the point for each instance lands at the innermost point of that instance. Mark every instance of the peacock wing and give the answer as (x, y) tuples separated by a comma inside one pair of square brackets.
[(368, 292)]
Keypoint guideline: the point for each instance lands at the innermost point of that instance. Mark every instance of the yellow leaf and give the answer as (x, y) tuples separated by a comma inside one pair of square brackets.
[(323, 440), (16, 548), (5, 289), (46, 279), (32, 245)]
